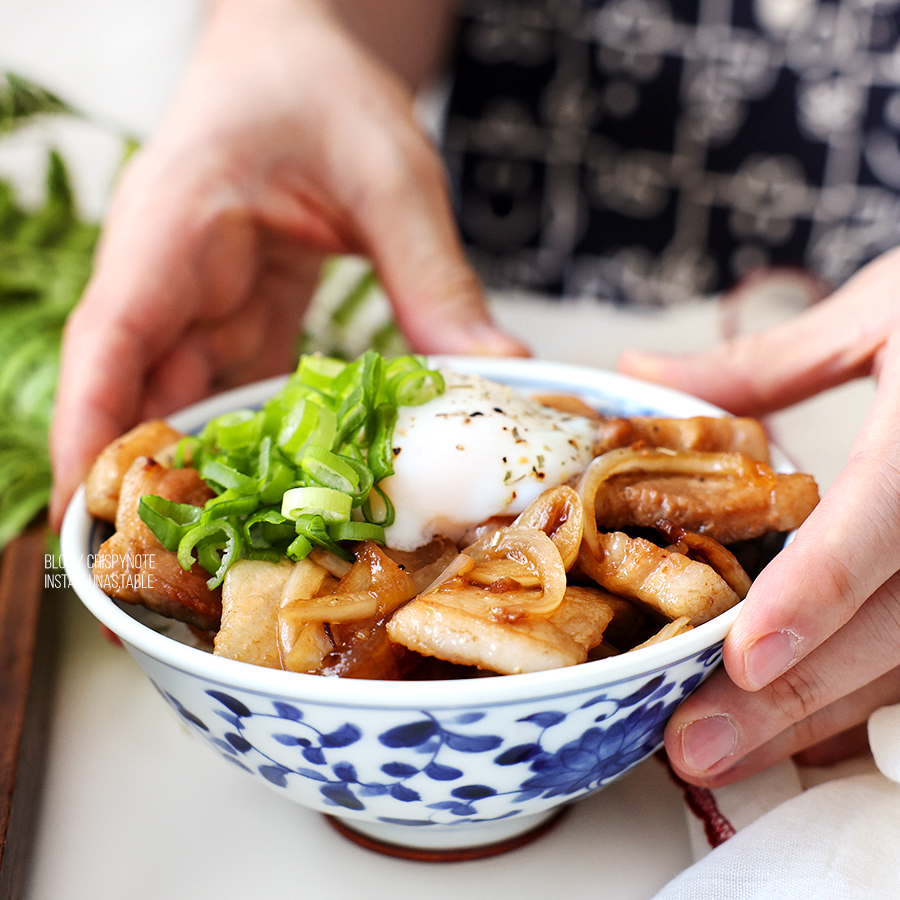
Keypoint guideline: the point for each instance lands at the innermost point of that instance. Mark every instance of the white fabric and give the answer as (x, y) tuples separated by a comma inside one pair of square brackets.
[(801, 837)]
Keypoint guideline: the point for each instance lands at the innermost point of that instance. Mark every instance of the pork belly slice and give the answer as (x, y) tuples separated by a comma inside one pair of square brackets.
[(134, 567), (725, 508), (461, 626), (662, 580), (251, 596), (104, 480), (445, 626), (707, 433), (585, 614)]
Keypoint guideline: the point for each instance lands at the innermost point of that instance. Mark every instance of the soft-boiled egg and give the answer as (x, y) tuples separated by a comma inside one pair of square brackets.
[(476, 451)]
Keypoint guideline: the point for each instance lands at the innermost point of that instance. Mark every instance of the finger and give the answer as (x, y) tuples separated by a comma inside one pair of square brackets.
[(833, 734), (407, 225), (838, 747), (829, 344), (722, 733), (842, 553), (92, 400)]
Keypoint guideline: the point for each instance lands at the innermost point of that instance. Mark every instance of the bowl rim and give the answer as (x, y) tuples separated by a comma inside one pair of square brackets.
[(75, 551)]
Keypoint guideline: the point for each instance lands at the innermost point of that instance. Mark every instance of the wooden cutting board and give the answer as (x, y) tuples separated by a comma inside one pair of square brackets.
[(27, 650)]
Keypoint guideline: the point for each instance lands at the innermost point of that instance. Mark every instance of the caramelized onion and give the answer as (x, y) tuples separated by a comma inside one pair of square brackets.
[(425, 564), (624, 460), (462, 564), (332, 562), (537, 555), (301, 649), (710, 551), (334, 608), (669, 630), (375, 573), (311, 646), (559, 513), (305, 580)]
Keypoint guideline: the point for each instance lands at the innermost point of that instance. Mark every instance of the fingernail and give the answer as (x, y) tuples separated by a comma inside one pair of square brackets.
[(706, 742), (770, 657), (642, 365), (485, 340)]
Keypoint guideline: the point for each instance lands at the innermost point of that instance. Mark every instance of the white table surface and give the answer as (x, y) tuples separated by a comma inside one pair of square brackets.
[(133, 808)]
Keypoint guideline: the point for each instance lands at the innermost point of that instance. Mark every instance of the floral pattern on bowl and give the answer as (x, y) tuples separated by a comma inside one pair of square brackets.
[(389, 771)]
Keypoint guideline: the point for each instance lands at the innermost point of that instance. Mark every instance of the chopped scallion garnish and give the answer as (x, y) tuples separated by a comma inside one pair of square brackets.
[(301, 472)]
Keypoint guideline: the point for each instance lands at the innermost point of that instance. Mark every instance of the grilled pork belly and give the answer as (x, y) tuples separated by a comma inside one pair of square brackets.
[(723, 507), (662, 580), (134, 567), (708, 433), (104, 481)]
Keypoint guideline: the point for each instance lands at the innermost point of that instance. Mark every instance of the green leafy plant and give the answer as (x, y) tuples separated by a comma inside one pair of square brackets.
[(45, 261), (21, 100)]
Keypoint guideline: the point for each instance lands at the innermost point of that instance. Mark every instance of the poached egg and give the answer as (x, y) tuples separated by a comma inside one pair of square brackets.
[(477, 450)]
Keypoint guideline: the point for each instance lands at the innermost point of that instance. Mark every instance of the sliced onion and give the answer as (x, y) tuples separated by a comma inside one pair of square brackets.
[(711, 552), (669, 630), (305, 580), (374, 575), (335, 565), (503, 570), (310, 647), (532, 549), (334, 608), (460, 565), (559, 513)]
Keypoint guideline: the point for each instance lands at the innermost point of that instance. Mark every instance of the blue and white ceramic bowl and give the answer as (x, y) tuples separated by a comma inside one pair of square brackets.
[(428, 765)]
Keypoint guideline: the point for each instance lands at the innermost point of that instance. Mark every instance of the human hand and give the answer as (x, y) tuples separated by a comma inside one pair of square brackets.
[(816, 647), (287, 141)]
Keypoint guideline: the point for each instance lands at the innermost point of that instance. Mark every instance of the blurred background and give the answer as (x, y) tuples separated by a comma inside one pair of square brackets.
[(117, 64), (82, 84), (118, 61)]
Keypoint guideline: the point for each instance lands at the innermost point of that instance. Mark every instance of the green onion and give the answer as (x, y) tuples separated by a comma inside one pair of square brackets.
[(357, 531), (301, 472), (184, 451), (229, 504), (330, 470), (417, 387), (381, 512), (227, 476), (299, 548), (314, 529), (331, 505), (299, 425), (268, 529), (236, 430), (168, 520), (319, 371), (381, 453), (218, 544)]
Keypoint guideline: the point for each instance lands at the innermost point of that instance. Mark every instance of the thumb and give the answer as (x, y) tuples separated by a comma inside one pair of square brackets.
[(829, 344)]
